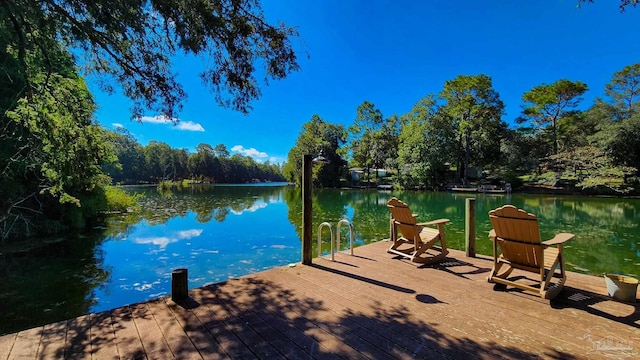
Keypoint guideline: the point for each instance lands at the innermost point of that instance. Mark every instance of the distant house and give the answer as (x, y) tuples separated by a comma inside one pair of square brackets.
[(356, 174), (380, 172)]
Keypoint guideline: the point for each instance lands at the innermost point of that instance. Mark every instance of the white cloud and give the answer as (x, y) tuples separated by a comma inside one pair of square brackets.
[(160, 119), (251, 152), (276, 160), (117, 125), (179, 124), (189, 126)]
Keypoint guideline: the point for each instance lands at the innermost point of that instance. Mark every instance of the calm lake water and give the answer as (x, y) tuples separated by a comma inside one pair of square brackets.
[(222, 232)]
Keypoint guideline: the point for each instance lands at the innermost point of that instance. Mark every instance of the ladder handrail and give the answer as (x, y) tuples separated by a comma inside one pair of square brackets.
[(320, 238), (344, 221), (337, 239)]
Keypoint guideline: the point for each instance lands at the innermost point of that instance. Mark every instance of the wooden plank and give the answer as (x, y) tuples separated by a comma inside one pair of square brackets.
[(103, 342), (127, 339), (332, 317), (242, 305), (6, 344), (52, 345), (311, 347), (283, 345), (197, 332), (385, 314), (219, 323), (308, 343), (78, 340), (153, 341), (245, 333), (172, 332), (26, 344)]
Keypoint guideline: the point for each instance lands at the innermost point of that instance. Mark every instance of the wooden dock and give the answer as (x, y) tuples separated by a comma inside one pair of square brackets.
[(368, 306)]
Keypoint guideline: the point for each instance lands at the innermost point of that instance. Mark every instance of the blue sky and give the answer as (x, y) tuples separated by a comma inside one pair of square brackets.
[(393, 53)]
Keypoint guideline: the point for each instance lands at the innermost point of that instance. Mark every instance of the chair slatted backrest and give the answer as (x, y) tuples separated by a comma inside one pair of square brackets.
[(403, 217), (518, 234)]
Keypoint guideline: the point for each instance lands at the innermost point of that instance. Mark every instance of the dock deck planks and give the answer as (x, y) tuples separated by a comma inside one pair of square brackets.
[(369, 306)]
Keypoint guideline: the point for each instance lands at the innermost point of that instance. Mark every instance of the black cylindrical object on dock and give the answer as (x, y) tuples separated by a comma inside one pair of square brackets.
[(179, 284)]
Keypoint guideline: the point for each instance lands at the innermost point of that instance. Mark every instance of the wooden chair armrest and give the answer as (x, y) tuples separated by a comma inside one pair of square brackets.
[(559, 239), (434, 222)]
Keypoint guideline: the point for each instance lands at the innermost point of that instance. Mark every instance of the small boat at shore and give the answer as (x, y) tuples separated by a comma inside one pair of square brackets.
[(464, 189), (492, 189), (488, 189)]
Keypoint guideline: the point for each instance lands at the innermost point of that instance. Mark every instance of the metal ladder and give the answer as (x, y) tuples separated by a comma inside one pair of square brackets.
[(337, 240)]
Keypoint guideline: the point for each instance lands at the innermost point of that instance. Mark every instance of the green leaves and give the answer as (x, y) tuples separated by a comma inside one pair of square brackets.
[(592, 168), (476, 110), (132, 43), (317, 135), (52, 151), (70, 149), (624, 89), (546, 104), (362, 135)]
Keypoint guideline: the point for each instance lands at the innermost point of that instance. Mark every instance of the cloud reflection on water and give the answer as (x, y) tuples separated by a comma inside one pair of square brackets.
[(163, 241)]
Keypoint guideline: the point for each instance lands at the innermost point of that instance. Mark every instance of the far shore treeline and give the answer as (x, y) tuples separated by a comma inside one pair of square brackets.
[(58, 166), (157, 163), (458, 137)]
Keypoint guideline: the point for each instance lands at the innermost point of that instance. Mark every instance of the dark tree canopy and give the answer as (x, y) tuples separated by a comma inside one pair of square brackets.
[(132, 43)]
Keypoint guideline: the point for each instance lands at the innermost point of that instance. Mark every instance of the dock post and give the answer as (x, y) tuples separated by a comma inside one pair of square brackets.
[(179, 285), (470, 227), (306, 211)]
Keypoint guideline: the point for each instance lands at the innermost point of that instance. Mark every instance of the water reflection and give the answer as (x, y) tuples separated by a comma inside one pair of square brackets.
[(163, 241), (216, 232), (223, 232), (46, 283)]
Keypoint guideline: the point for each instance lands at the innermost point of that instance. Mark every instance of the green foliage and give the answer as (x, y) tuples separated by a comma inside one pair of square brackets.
[(159, 160), (52, 150), (624, 89), (427, 142), (522, 151), (317, 135), (52, 154), (131, 166), (385, 144), (158, 163), (120, 201), (545, 105), (362, 136), (476, 110), (132, 43), (591, 168), (71, 147)]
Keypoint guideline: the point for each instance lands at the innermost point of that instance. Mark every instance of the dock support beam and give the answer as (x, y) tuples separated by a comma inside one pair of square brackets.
[(179, 285), (306, 210), (470, 227)]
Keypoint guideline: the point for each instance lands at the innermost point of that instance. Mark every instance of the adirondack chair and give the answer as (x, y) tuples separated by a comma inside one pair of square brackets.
[(517, 245), (416, 241)]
